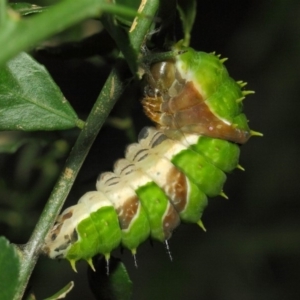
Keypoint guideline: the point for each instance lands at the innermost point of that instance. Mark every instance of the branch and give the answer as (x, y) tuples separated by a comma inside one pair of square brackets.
[(111, 91)]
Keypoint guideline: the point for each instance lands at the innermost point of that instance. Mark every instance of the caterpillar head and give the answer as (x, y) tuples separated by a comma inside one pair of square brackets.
[(164, 80), (194, 93)]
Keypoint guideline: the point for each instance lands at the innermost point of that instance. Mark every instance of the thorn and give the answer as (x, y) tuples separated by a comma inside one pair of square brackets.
[(223, 60), (255, 133), (168, 250), (90, 262), (249, 92), (222, 194), (200, 223), (135, 261), (240, 167), (133, 252), (241, 83), (107, 256), (239, 100), (73, 264)]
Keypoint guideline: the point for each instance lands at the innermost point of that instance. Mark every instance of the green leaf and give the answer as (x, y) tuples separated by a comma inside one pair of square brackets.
[(113, 286), (187, 12), (9, 269), (24, 8), (63, 292), (30, 100)]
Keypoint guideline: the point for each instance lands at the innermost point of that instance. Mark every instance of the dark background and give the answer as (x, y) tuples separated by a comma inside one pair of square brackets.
[(252, 246)]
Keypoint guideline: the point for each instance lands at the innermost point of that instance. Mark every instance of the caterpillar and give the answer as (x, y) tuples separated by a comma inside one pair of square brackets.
[(169, 174)]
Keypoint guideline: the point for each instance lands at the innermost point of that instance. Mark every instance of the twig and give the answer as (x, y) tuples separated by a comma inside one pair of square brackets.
[(111, 91)]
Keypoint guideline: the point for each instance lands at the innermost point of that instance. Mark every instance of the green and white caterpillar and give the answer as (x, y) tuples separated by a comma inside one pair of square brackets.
[(167, 176)]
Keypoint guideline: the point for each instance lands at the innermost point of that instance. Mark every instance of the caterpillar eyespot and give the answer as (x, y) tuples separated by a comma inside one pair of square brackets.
[(168, 175)]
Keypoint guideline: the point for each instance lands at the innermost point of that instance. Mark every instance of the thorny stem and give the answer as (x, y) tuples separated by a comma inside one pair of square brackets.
[(111, 91)]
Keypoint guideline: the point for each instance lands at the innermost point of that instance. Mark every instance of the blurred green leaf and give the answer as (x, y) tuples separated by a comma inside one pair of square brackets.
[(122, 40), (134, 4), (116, 285), (10, 142), (30, 100), (187, 12), (18, 34), (120, 282), (63, 292), (31, 296), (24, 8), (9, 269)]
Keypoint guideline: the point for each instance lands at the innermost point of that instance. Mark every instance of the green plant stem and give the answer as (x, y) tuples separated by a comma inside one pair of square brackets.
[(112, 89)]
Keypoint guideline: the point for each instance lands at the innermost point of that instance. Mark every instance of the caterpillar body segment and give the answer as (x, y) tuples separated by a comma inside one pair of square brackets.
[(156, 186)]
